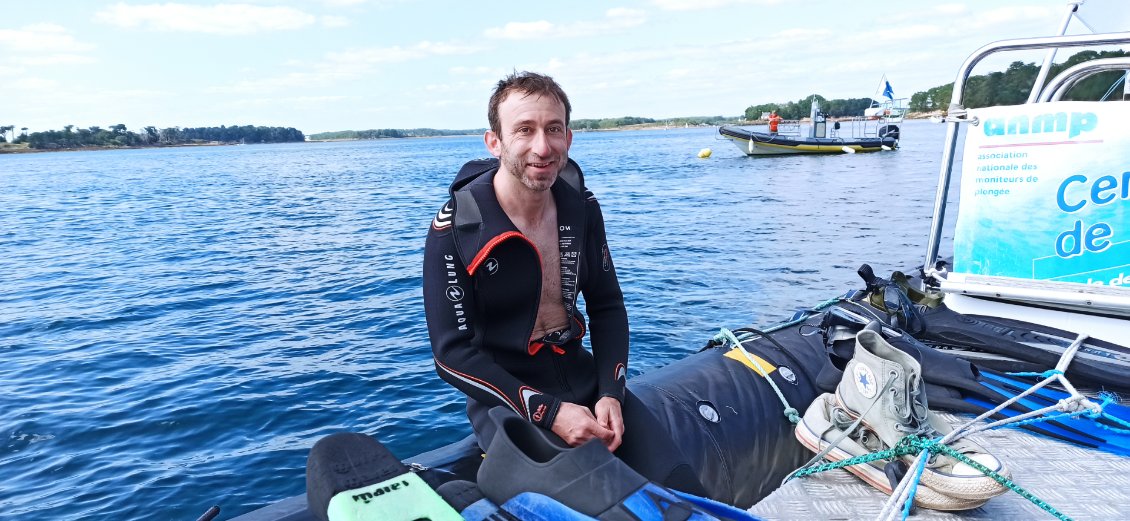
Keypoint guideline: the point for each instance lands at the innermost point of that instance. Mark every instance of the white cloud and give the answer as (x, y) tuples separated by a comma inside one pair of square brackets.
[(291, 80), (334, 21), (699, 5), (523, 30), (289, 101), (615, 20), (41, 39), (32, 84), (396, 53), (475, 71), (1012, 15), (346, 65), (53, 59), (213, 19), (951, 9)]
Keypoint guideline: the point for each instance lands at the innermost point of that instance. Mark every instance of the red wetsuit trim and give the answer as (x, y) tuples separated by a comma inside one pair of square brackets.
[(483, 253)]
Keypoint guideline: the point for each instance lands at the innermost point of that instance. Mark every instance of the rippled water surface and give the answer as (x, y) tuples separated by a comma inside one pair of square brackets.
[(178, 326)]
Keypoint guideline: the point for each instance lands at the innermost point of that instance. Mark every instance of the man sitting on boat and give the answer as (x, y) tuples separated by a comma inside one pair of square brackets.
[(504, 263)]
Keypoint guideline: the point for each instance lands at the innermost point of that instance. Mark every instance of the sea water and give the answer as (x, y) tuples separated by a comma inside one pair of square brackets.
[(178, 326)]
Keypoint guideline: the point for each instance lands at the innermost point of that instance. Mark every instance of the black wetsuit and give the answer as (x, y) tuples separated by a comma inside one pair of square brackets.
[(482, 287)]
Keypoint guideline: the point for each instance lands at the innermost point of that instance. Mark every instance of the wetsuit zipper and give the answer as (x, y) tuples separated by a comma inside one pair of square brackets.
[(558, 370)]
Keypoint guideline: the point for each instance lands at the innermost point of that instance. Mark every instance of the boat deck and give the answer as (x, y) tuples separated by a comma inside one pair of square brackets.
[(1081, 483)]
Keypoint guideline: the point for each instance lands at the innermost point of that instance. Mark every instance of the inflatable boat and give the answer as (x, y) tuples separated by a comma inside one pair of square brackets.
[(839, 137), (728, 406), (756, 143)]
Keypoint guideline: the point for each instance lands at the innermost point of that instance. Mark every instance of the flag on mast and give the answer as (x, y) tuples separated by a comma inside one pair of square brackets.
[(888, 92)]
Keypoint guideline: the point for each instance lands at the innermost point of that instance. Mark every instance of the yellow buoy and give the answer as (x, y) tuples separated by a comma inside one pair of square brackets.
[(704, 153)]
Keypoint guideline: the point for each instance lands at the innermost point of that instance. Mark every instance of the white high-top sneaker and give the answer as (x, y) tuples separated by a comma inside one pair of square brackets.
[(825, 422), (883, 385)]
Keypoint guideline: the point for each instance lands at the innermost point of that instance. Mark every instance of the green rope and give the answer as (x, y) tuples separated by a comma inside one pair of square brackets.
[(914, 445), (790, 412)]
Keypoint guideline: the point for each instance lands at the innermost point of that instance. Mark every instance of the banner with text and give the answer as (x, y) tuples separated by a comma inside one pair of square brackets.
[(1045, 193)]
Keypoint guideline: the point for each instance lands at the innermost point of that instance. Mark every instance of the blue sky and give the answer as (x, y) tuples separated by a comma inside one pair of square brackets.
[(321, 65)]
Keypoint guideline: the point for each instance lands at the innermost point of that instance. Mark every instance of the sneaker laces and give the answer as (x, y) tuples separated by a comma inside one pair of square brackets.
[(913, 414), (846, 422), (910, 407)]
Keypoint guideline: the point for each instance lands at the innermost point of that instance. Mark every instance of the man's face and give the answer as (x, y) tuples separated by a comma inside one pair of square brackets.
[(533, 144)]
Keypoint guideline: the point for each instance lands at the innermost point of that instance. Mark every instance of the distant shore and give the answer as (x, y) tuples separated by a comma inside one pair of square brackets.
[(24, 149), (662, 125)]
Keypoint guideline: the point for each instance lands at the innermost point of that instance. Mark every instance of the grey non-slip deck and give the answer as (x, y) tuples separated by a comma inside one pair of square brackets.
[(1081, 483)]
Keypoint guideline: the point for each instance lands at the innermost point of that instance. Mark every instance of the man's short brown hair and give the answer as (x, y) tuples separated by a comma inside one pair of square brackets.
[(529, 83)]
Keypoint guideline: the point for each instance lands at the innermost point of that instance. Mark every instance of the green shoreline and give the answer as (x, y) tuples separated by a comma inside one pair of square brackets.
[(14, 149), (24, 149)]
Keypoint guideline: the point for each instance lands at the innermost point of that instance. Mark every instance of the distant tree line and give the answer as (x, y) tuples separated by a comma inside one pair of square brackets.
[(1009, 87), (610, 123), (388, 133), (1012, 86), (597, 124), (119, 136), (836, 108)]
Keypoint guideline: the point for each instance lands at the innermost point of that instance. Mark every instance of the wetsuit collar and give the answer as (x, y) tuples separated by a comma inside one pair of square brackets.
[(479, 217)]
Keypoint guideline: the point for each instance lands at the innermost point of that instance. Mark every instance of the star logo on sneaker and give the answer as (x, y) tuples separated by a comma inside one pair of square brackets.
[(864, 380)]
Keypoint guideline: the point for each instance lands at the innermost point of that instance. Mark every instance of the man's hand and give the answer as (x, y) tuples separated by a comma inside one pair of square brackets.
[(609, 416), (576, 425)]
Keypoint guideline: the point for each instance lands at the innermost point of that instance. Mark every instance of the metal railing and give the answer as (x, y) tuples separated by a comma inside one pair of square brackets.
[(957, 112)]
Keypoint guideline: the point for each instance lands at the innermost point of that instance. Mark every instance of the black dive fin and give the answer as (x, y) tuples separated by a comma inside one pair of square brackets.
[(1097, 363), (529, 472)]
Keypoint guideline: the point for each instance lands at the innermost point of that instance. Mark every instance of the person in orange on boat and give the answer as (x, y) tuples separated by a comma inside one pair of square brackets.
[(774, 121)]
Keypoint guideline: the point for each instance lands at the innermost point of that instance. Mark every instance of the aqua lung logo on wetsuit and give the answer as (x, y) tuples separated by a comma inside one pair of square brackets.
[(366, 497), (605, 258), (491, 265), (455, 293)]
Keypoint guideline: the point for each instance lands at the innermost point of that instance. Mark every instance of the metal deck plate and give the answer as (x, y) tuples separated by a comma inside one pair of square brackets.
[(1080, 483)]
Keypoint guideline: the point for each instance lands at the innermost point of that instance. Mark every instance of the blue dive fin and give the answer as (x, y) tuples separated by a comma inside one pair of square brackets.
[(1018, 384), (1092, 433), (652, 503)]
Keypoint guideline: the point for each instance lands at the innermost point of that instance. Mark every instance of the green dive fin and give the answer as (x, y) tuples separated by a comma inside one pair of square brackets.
[(353, 477)]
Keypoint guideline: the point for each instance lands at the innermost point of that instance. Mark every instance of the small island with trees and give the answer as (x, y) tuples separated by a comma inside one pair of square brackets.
[(118, 136)]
